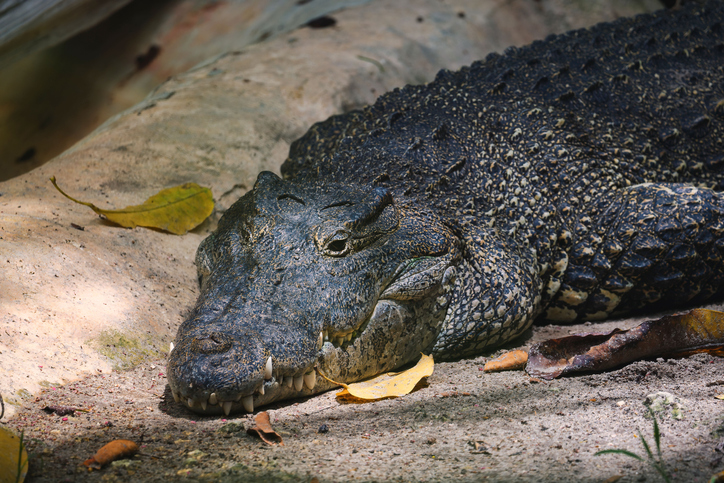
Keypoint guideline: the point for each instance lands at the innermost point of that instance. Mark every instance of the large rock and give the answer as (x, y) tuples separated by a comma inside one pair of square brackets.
[(79, 301), (53, 97), (27, 26)]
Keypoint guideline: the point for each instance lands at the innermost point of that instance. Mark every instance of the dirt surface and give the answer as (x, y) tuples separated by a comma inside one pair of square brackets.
[(463, 425)]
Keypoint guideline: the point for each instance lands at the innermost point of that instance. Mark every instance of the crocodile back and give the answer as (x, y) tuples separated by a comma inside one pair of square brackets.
[(552, 126)]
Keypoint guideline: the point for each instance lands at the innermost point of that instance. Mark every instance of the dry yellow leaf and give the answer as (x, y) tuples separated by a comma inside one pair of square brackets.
[(388, 385), (13, 457), (720, 396), (176, 210)]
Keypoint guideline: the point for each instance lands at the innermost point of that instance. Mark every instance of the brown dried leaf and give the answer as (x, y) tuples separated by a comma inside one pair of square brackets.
[(510, 361), (61, 410), (699, 330), (115, 450), (263, 429)]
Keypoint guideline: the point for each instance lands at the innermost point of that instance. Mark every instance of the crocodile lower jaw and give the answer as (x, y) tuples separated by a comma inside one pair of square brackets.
[(271, 390)]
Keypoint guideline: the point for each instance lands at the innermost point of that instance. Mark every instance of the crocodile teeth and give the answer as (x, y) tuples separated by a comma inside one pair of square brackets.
[(326, 335), (348, 337), (248, 403), (212, 399), (268, 369), (170, 348), (238, 398), (203, 404), (321, 340), (191, 402), (340, 340), (261, 390), (281, 380), (176, 397), (310, 379), (226, 406), (288, 381), (298, 382)]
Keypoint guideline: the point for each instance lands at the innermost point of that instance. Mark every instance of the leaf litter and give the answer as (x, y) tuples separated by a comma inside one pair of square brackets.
[(393, 384), (263, 428), (699, 330), (510, 361), (175, 210), (115, 450)]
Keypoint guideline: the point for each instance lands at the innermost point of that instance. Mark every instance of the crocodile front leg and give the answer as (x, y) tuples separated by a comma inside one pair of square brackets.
[(496, 296)]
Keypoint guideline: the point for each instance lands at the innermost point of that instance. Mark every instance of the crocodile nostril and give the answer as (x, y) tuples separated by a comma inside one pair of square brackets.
[(213, 343)]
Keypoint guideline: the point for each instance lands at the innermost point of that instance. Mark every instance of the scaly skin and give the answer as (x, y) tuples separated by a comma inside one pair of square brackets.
[(572, 179)]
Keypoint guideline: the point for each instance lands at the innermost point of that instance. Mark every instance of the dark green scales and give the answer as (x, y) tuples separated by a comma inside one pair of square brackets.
[(575, 178)]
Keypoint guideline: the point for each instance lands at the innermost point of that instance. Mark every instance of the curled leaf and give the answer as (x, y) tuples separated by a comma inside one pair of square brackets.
[(13, 457), (699, 330), (176, 210), (510, 361), (263, 428), (115, 450), (388, 385)]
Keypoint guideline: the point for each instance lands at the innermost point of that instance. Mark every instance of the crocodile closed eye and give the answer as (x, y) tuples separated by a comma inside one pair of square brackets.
[(338, 244)]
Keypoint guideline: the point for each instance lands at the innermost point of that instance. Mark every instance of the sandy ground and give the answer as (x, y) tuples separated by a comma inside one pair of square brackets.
[(463, 425)]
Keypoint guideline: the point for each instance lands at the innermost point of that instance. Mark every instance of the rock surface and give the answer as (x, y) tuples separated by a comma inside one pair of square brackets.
[(31, 25), (54, 97)]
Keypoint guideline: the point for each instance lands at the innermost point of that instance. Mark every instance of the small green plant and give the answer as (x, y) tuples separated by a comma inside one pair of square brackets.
[(656, 462), (21, 463), (20, 458)]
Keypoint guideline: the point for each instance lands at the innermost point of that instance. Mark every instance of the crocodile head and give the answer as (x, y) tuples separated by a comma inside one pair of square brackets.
[(343, 279)]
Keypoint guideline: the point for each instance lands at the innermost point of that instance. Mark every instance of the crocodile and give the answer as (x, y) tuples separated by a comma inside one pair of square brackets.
[(576, 178)]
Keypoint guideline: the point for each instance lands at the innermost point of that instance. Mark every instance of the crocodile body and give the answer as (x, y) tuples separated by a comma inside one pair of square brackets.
[(576, 178)]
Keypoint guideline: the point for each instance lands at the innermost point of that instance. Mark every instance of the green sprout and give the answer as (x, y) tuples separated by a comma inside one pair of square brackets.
[(656, 462), (21, 464)]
